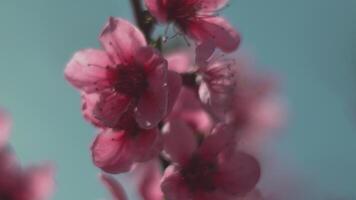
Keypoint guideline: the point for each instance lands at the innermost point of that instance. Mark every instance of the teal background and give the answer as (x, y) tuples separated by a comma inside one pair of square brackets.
[(309, 44)]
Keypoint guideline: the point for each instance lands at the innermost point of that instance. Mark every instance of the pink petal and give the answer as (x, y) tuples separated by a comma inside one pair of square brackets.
[(41, 182), (115, 188), (203, 52), (212, 5), (221, 138), (147, 144), (189, 109), (173, 185), (89, 102), (238, 173), (88, 70), (174, 81), (152, 105), (5, 126), (179, 141), (150, 59), (111, 152), (158, 9), (111, 107), (121, 40), (147, 177), (217, 30), (180, 61), (9, 165)]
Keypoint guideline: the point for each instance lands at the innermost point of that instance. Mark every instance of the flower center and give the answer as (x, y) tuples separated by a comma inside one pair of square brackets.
[(199, 173), (131, 80)]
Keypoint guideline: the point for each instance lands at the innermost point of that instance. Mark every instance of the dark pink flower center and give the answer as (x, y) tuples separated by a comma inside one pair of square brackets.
[(199, 174), (131, 80)]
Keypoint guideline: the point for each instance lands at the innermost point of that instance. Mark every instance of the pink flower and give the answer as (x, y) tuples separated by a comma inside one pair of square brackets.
[(209, 171), (115, 151), (215, 80), (115, 188), (40, 183), (147, 178), (5, 126), (197, 19), (256, 105), (190, 110), (217, 85), (128, 76), (187, 106), (34, 183)]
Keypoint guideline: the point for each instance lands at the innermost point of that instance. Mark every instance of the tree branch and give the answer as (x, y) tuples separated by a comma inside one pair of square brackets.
[(143, 19)]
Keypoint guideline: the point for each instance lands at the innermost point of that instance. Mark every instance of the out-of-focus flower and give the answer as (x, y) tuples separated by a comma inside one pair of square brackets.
[(115, 151), (17, 183), (147, 177), (128, 74), (208, 171), (114, 187), (189, 109), (198, 20), (214, 79), (5, 126), (217, 85), (187, 106), (39, 182)]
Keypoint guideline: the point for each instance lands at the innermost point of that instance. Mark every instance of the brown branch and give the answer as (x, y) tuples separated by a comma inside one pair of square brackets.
[(143, 18)]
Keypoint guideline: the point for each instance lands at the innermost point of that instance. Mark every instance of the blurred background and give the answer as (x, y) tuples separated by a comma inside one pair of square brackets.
[(309, 44)]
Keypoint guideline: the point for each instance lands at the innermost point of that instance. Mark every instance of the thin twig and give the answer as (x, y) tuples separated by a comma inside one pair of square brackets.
[(143, 18)]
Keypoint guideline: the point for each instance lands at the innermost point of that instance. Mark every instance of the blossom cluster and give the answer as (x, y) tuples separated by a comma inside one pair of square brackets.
[(16, 182), (188, 110)]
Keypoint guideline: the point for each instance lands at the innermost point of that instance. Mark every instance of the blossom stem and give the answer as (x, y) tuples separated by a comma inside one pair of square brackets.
[(143, 18)]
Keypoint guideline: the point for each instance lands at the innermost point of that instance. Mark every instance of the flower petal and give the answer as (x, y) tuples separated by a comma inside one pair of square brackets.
[(173, 185), (174, 81), (147, 144), (40, 182), (179, 141), (158, 9), (217, 30), (149, 58), (115, 188), (111, 152), (147, 178), (180, 61), (189, 109), (238, 173), (5, 126), (89, 70), (152, 105), (221, 138), (110, 108), (89, 102), (9, 165), (121, 40), (203, 52)]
